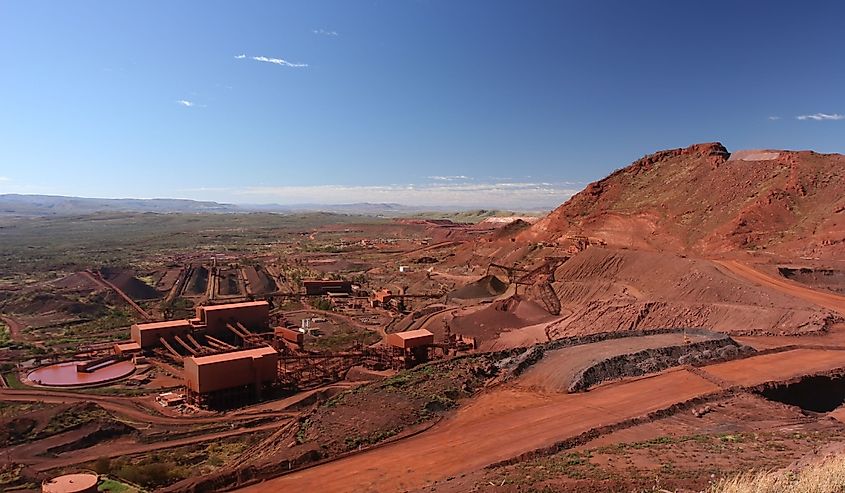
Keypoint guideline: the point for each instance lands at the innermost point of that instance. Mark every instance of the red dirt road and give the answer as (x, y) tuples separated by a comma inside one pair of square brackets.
[(15, 327), (777, 367), (507, 422), (497, 426), (559, 368), (125, 406), (828, 300), (80, 457)]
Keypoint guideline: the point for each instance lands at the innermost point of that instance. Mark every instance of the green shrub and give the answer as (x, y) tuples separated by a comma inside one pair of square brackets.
[(102, 465)]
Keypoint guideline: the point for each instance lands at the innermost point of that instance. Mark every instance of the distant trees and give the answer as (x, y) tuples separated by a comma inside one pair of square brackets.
[(102, 465), (323, 304)]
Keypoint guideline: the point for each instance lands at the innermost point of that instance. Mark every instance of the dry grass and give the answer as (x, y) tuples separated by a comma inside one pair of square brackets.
[(827, 476)]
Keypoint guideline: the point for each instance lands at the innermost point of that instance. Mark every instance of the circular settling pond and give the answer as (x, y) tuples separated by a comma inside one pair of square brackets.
[(65, 374)]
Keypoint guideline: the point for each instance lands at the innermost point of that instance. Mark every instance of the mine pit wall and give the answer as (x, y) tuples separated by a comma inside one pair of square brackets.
[(657, 359), (522, 359), (818, 394)]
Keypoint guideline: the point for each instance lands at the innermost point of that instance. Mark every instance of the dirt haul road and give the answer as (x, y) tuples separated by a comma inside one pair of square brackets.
[(777, 367), (41, 464), (507, 422), (125, 406), (15, 327), (828, 300)]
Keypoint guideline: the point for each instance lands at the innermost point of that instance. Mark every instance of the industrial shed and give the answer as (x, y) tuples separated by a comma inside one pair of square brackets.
[(411, 347), (319, 288), (252, 314), (148, 335), (126, 348), (410, 339), (228, 378)]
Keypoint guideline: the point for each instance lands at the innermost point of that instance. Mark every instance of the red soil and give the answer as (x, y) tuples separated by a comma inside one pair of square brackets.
[(638, 224), (525, 421), (168, 279), (522, 422), (610, 290), (77, 281), (828, 300), (681, 452), (15, 328), (559, 368), (777, 367), (694, 199), (129, 284), (491, 320)]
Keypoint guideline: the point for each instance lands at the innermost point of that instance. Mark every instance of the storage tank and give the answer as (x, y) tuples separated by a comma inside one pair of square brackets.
[(71, 483)]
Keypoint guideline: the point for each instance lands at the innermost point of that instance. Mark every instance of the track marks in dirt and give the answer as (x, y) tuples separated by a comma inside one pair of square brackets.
[(507, 422), (828, 300), (499, 425)]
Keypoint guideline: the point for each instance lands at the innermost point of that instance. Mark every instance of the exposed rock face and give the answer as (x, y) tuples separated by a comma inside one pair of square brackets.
[(643, 236), (619, 290), (698, 200)]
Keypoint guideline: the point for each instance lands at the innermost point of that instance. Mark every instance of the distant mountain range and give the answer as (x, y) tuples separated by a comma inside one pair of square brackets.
[(56, 205)]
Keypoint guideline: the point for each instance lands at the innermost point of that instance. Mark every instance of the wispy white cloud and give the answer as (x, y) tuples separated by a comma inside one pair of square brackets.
[(275, 61), (186, 103), (323, 32), (512, 195), (821, 116), (449, 178), (204, 189), (4, 179), (773, 118)]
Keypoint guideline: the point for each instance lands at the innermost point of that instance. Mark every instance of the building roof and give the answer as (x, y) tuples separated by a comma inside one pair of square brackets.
[(234, 355), (229, 306), (410, 339), (168, 324), (128, 346), (413, 334), (330, 282)]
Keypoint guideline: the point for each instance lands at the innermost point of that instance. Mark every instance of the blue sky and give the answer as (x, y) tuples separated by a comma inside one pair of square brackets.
[(490, 103)]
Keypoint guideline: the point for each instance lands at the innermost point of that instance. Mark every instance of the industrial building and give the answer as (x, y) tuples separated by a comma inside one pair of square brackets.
[(226, 379), (320, 288), (127, 348), (210, 320), (214, 318), (147, 335), (382, 298), (290, 335), (413, 345)]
